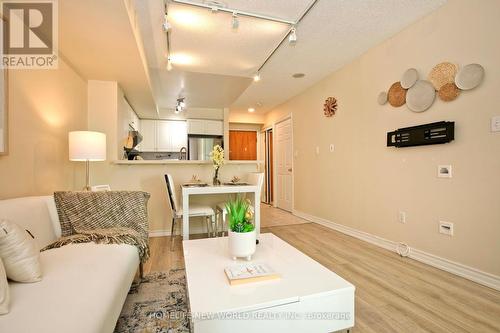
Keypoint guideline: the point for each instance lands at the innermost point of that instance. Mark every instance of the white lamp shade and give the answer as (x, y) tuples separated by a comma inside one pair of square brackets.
[(87, 146)]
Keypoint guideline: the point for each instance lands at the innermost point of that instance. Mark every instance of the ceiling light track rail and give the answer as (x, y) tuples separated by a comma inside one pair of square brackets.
[(232, 11), (292, 29)]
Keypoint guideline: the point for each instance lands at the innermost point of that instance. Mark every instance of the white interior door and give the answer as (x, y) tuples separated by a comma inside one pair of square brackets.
[(284, 162)]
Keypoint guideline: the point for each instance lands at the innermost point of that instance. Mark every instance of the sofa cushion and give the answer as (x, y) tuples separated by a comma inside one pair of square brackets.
[(19, 253), (83, 290), (32, 213), (4, 291)]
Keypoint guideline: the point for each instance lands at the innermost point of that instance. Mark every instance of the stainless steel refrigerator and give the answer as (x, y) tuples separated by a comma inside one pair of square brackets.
[(200, 146)]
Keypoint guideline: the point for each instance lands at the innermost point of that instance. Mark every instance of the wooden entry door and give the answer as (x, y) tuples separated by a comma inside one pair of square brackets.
[(284, 160), (242, 145)]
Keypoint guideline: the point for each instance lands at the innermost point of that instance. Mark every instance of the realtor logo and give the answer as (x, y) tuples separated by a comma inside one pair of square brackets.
[(29, 36)]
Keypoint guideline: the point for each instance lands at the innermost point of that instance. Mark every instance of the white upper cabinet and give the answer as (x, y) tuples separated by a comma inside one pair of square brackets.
[(196, 126), (163, 135), (148, 131), (205, 127)]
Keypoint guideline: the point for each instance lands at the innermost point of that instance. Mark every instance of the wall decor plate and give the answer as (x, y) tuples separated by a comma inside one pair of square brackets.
[(409, 78), (330, 107), (421, 96), (470, 76), (397, 95), (442, 74), (382, 98), (448, 92)]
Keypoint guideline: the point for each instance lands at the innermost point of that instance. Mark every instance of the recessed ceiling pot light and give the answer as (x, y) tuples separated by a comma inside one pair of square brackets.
[(298, 75)]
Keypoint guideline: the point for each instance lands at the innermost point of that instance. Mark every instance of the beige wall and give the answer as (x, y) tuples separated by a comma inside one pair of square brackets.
[(44, 106), (364, 184)]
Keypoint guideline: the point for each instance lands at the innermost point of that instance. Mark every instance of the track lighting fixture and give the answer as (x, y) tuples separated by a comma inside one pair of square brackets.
[(292, 38), (256, 77), (181, 105), (235, 23), (169, 64), (166, 25)]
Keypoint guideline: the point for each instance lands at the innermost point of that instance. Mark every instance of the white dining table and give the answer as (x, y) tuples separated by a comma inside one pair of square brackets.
[(188, 191)]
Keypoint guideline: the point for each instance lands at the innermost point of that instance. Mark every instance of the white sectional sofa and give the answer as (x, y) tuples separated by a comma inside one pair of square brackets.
[(83, 287)]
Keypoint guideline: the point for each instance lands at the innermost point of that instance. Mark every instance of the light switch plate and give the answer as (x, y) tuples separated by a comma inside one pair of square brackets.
[(495, 124), (317, 150), (444, 171)]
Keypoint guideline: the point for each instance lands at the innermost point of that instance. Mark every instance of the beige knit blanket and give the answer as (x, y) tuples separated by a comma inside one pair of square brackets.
[(112, 217)]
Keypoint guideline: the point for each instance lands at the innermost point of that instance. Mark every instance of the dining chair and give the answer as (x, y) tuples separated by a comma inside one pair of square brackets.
[(253, 178), (195, 210)]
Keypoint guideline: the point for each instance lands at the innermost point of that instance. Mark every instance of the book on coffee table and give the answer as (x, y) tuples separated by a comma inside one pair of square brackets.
[(250, 272)]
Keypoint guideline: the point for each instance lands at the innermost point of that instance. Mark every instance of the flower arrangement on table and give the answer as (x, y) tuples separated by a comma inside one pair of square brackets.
[(217, 157)]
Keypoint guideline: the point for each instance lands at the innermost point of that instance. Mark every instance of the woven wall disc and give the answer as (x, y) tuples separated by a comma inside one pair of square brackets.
[(448, 92), (382, 98), (470, 76), (421, 96), (409, 78), (442, 74), (397, 95)]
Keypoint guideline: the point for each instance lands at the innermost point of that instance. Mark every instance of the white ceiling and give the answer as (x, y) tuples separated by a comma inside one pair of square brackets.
[(218, 62)]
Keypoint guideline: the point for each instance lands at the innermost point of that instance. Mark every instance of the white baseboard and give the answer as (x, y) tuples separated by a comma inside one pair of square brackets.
[(453, 267), (159, 233)]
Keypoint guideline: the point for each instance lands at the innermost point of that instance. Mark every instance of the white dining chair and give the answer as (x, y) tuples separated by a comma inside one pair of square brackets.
[(195, 210), (253, 178)]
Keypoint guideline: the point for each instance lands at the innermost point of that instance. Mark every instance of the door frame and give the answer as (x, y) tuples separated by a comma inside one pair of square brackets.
[(275, 169)]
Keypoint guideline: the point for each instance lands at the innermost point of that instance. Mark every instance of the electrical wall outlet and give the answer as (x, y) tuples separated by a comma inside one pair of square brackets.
[(446, 228), (495, 124), (444, 171), (402, 217), (332, 147)]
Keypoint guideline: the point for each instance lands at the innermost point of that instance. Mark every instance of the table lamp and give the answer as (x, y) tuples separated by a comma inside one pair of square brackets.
[(87, 146)]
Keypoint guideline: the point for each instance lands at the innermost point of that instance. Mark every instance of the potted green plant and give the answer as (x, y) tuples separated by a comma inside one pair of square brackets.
[(241, 233)]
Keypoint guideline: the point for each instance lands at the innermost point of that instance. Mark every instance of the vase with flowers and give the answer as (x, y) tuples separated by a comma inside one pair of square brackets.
[(217, 158), (241, 230)]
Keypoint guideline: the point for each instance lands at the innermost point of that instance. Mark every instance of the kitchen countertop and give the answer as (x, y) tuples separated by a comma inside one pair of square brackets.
[(152, 162)]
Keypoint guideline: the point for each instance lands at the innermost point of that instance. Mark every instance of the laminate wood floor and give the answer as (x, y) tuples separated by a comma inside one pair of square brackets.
[(393, 294)]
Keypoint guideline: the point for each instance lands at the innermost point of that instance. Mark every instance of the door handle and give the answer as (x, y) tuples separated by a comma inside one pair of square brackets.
[(290, 170)]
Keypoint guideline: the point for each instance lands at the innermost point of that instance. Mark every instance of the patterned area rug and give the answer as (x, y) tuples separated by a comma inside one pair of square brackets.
[(158, 304)]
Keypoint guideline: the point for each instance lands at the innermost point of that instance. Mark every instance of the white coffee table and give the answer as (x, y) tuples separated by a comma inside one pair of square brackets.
[(307, 298)]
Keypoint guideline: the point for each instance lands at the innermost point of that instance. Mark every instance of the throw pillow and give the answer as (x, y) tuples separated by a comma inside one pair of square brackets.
[(4, 291), (19, 253)]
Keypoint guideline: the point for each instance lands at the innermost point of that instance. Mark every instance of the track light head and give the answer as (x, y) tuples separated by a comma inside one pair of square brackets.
[(181, 105), (169, 64), (256, 77), (166, 25), (235, 23), (292, 38)]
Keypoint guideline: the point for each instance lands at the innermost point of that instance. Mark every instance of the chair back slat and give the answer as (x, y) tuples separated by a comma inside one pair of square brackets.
[(171, 192)]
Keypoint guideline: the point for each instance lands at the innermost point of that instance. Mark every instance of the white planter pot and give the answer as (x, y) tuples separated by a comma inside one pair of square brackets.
[(242, 244)]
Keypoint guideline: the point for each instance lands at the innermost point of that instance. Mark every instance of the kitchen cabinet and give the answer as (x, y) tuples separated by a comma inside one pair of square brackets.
[(171, 135), (148, 131), (163, 135), (205, 127)]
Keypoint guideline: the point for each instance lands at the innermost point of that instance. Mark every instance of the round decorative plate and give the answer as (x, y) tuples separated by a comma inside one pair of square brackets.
[(382, 98), (421, 96), (330, 106), (442, 74), (448, 92), (470, 77), (409, 78), (397, 95)]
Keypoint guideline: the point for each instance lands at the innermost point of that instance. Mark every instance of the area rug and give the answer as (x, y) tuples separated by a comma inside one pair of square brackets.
[(158, 304)]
